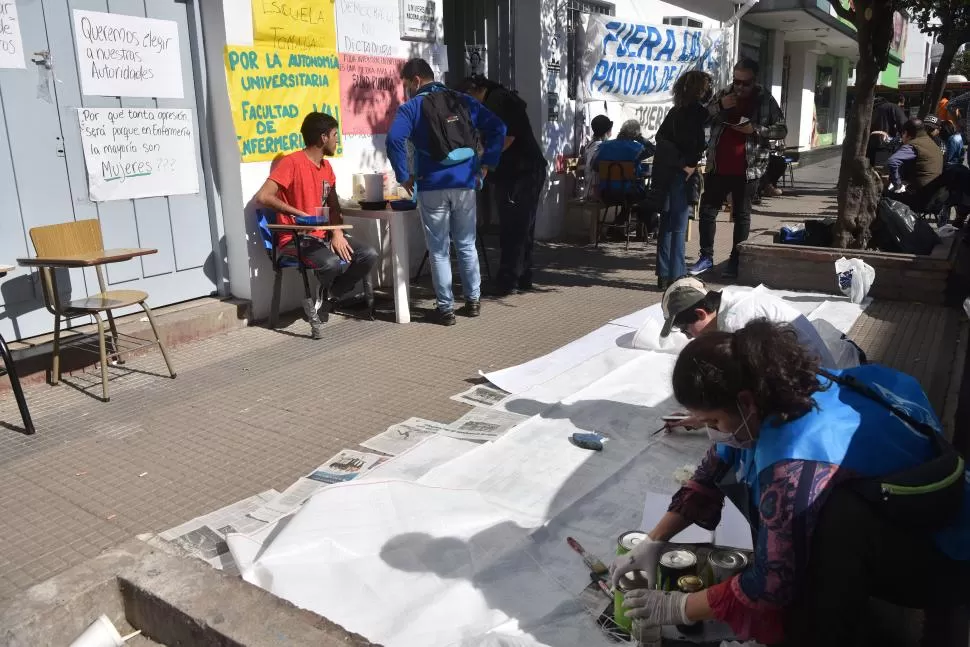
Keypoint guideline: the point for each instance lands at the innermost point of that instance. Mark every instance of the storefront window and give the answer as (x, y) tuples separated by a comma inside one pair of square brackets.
[(754, 45), (825, 118)]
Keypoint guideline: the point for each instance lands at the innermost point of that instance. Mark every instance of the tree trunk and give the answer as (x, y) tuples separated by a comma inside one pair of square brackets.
[(859, 186), (932, 98)]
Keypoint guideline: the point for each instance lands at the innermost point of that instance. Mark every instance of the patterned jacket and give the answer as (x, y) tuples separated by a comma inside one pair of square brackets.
[(768, 122)]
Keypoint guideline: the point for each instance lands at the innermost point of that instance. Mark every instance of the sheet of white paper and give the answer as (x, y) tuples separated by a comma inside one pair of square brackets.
[(420, 459), (128, 56), (370, 28), (523, 377), (734, 530), (11, 43), (138, 152), (398, 438), (481, 395)]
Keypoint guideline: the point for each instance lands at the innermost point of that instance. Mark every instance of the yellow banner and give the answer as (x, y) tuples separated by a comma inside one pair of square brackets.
[(272, 91), (295, 25)]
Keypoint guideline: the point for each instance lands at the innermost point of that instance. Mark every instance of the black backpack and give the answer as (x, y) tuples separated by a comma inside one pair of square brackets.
[(452, 138)]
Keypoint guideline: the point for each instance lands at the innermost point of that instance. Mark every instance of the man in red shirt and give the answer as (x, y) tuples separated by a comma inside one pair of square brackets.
[(303, 184), (745, 119)]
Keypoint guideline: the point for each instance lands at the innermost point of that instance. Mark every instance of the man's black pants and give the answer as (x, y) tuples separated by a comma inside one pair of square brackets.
[(857, 554), (716, 190), (333, 271), (775, 169), (518, 201)]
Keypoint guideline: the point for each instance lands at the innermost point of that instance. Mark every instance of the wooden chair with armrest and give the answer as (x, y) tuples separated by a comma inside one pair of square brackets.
[(84, 238), (619, 191)]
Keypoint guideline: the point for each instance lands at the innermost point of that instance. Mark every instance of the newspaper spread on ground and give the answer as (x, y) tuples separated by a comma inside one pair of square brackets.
[(481, 395), (403, 436), (205, 537), (344, 466), (482, 424)]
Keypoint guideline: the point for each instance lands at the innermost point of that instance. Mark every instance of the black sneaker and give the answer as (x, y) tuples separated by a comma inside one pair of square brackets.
[(730, 271), (472, 309), (499, 290), (443, 317)]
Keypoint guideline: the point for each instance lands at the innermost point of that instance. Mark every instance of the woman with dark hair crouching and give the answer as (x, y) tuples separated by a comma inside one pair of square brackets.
[(850, 488), (680, 146)]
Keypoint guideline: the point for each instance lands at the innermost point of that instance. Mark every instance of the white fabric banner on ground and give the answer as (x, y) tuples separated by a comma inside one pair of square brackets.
[(478, 532), (637, 63)]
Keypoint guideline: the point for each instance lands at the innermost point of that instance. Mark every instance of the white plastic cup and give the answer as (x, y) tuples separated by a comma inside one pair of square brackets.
[(100, 633)]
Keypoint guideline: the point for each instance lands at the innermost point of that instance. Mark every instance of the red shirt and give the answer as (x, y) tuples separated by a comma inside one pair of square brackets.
[(731, 157), (301, 186)]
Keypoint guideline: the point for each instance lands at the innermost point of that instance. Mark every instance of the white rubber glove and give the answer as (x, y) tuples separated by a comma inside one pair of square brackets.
[(643, 557), (656, 608)]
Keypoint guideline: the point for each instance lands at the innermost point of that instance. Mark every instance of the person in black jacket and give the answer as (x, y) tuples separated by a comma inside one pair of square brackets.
[(680, 145), (885, 127), (518, 182)]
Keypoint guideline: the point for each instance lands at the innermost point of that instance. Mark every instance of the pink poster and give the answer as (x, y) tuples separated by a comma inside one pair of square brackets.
[(370, 92)]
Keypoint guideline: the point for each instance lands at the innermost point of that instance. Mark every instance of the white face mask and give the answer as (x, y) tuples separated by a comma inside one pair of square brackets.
[(731, 438)]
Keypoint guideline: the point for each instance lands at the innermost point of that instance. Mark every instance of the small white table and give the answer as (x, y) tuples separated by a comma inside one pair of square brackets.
[(400, 263)]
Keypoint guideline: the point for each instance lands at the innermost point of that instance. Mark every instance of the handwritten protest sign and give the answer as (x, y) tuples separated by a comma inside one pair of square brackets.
[(369, 27), (272, 91), (138, 152), (127, 56), (294, 25), (11, 44), (370, 92), (635, 63)]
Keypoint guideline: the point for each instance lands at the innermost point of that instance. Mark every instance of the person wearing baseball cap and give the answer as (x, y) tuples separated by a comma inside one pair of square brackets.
[(932, 125), (690, 308)]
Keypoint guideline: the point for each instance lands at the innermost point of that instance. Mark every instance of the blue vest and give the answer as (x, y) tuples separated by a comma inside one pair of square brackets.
[(850, 430)]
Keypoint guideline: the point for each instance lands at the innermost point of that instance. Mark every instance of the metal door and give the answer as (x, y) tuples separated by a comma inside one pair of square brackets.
[(42, 169), (485, 23)]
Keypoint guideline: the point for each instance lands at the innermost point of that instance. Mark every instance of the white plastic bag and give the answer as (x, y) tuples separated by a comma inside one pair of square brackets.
[(855, 278)]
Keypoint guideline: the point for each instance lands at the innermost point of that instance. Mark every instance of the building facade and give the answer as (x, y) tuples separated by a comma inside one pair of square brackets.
[(224, 57)]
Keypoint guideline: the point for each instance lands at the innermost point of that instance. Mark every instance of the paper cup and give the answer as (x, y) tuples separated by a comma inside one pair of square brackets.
[(100, 633)]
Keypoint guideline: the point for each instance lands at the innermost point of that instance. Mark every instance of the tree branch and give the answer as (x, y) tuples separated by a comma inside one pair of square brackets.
[(842, 11)]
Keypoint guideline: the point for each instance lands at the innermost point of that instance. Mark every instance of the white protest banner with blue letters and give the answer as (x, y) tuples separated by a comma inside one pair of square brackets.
[(636, 63)]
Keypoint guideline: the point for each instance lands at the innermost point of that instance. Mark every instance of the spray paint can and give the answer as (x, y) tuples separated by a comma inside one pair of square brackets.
[(629, 539), (674, 564), (690, 584), (629, 582), (725, 563)]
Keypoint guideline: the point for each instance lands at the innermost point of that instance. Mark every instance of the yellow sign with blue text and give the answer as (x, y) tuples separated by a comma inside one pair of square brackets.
[(271, 91), (295, 25)]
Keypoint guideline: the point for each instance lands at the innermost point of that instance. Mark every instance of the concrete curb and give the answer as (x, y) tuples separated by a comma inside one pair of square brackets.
[(174, 601)]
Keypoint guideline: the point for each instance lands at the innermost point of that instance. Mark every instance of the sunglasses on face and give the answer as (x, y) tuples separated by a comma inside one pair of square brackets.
[(744, 84)]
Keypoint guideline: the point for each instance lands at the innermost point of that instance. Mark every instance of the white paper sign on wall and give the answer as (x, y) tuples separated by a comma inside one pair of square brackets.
[(418, 20), (11, 44), (370, 28), (127, 56), (138, 152)]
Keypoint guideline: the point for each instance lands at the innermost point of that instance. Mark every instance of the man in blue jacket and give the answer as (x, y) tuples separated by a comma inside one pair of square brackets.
[(444, 181)]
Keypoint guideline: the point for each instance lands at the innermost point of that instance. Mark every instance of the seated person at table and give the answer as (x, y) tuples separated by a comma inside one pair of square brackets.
[(918, 161), (629, 146), (296, 187)]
